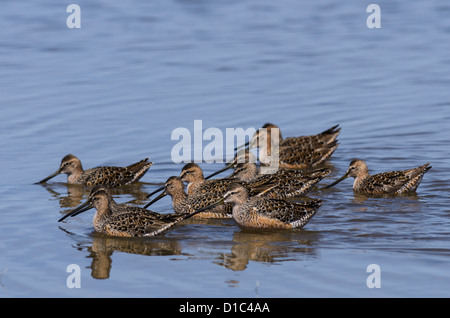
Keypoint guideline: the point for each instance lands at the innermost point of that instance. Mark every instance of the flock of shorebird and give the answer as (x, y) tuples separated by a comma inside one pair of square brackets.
[(254, 200)]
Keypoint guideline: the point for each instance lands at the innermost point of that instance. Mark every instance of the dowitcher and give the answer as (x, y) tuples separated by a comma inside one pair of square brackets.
[(197, 186), (184, 204), (108, 176), (301, 152), (289, 183), (393, 182), (116, 219), (262, 213), (243, 155), (302, 142), (192, 174)]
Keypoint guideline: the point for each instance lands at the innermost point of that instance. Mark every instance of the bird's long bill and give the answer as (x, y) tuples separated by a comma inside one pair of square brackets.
[(79, 209), (156, 191), (162, 195), (227, 167), (54, 174), (242, 146), (345, 176), (207, 207)]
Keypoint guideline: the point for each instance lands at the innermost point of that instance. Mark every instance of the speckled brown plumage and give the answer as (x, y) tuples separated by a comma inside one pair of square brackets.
[(263, 213), (192, 174), (289, 183), (116, 219), (308, 142), (305, 158), (393, 182), (185, 204), (107, 176), (301, 152)]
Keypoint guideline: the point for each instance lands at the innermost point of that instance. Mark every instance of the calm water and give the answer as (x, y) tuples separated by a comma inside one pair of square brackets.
[(113, 91)]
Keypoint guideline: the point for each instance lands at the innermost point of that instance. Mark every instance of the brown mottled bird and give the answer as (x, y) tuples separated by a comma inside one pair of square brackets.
[(108, 176), (192, 174), (203, 189), (301, 152), (288, 182), (116, 219), (185, 204), (393, 182), (258, 212)]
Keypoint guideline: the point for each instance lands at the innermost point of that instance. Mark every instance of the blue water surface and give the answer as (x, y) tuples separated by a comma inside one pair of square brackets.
[(113, 91)]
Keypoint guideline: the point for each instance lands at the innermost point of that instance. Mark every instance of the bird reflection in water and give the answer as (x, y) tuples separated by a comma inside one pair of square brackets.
[(103, 247), (266, 247), (77, 193)]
